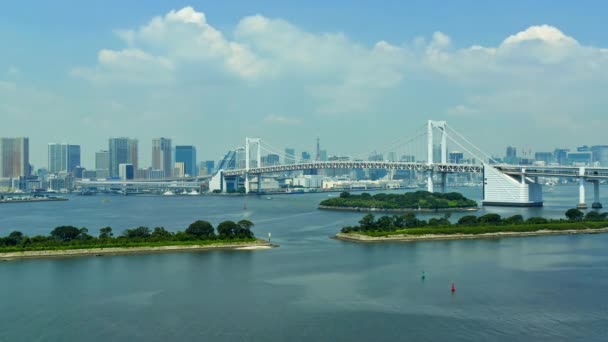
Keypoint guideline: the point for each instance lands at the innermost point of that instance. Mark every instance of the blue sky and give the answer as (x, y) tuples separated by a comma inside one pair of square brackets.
[(356, 74)]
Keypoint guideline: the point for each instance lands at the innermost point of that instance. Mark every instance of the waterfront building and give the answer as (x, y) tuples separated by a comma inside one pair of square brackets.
[(161, 155), (102, 160), (63, 157), (600, 154), (119, 153), (305, 156), (179, 170), (240, 157), (323, 155), (187, 156), (14, 157), (579, 158), (126, 171)]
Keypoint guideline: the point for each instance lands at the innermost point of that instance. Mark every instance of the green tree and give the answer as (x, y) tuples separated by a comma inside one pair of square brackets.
[(537, 220), (468, 220), (84, 234), (244, 230), (368, 222), (65, 233), (345, 194), (14, 238), (384, 223), (227, 229), (160, 233), (574, 214), (105, 232), (595, 216), (201, 230), (139, 232), (490, 219), (515, 219)]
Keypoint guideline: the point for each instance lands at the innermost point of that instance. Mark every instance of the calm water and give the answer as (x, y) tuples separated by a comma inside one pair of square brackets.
[(312, 288)]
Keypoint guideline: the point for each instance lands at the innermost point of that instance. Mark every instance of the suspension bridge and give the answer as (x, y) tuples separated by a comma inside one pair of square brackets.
[(427, 153)]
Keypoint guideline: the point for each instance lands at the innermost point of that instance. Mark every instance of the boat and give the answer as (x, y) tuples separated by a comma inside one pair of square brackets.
[(268, 198), (168, 193), (193, 193)]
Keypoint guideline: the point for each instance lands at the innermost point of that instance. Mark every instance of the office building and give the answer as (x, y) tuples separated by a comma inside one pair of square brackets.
[(455, 157), (600, 154), (560, 156), (102, 160), (511, 156), (179, 170), (305, 156), (14, 157), (290, 156), (545, 157), (133, 147), (126, 171), (119, 153), (187, 156), (63, 157), (323, 155), (161, 155)]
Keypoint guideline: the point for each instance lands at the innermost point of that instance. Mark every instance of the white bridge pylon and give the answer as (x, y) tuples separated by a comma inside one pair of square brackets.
[(441, 126), (248, 143)]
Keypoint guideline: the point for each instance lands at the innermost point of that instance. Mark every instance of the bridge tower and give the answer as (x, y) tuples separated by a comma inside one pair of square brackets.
[(248, 143), (441, 126)]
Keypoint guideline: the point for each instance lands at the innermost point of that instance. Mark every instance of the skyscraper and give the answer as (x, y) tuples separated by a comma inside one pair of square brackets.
[(14, 157), (161, 155), (290, 156), (118, 154), (102, 160), (187, 155), (63, 157), (305, 156), (133, 153)]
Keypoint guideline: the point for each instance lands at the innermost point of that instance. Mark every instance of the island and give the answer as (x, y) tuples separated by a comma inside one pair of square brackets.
[(418, 201), (73, 241), (409, 228)]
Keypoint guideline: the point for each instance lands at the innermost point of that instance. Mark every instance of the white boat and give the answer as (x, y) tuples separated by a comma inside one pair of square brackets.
[(168, 193), (193, 193)]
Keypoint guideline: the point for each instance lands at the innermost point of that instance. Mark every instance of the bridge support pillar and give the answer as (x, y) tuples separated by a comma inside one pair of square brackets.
[(247, 185), (444, 182), (429, 181), (259, 184), (596, 195), (581, 194)]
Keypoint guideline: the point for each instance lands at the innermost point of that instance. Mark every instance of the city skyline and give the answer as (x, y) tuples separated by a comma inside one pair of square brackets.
[(508, 79)]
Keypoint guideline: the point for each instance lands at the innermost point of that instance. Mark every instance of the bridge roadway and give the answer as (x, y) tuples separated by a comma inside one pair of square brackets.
[(542, 171), (139, 184)]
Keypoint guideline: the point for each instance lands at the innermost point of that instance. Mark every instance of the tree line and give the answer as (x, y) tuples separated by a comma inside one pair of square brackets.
[(369, 223), (73, 236), (409, 200)]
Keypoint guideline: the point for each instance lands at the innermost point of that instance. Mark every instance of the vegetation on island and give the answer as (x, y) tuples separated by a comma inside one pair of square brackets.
[(409, 200), (409, 224), (70, 237)]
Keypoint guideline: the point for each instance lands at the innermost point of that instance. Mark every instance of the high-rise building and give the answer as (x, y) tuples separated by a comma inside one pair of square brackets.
[(290, 156), (133, 148), (323, 155), (240, 158), (102, 160), (118, 149), (187, 155), (511, 155), (14, 157), (305, 156), (161, 155), (210, 166), (73, 157), (392, 156), (600, 154), (63, 157), (560, 155), (179, 169)]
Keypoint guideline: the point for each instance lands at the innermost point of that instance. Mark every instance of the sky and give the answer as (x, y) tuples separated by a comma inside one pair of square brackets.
[(357, 75)]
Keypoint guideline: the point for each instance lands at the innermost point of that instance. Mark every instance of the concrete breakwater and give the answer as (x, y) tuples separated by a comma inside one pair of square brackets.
[(354, 237), (255, 245)]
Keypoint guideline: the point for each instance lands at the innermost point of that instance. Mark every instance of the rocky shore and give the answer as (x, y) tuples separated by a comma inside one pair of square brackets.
[(256, 245), (354, 237)]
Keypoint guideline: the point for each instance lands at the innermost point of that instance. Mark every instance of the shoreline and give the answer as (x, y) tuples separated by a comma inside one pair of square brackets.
[(246, 246), (404, 210), (360, 238)]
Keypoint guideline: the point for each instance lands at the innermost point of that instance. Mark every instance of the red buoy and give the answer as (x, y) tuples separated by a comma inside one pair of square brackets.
[(453, 288)]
